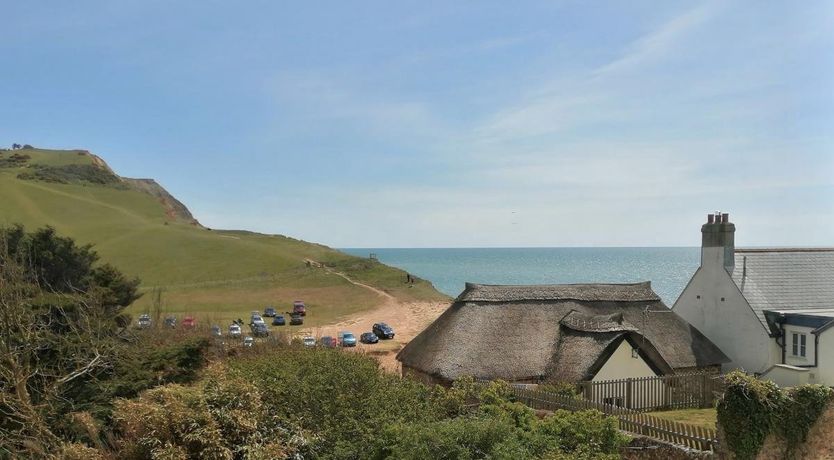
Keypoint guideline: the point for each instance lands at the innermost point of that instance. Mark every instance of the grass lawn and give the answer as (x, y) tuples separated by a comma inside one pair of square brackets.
[(700, 417), (224, 274)]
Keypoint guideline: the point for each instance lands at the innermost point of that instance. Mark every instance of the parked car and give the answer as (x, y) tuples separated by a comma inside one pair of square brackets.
[(248, 341), (279, 320), (368, 337), (328, 342), (298, 307), (269, 312), (260, 330), (383, 331), (296, 319), (256, 319), (215, 331), (347, 339), (144, 321), (309, 341), (234, 330), (189, 322), (171, 321)]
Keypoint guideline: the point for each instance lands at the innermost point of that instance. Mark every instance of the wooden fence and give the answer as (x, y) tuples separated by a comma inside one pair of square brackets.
[(694, 437), (684, 391)]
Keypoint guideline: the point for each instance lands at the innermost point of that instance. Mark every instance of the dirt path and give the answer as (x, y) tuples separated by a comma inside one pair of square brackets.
[(407, 318)]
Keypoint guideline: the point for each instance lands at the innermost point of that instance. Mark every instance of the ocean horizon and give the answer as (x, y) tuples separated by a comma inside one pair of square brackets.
[(667, 268)]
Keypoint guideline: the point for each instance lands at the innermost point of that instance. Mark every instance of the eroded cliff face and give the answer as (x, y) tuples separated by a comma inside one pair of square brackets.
[(173, 207)]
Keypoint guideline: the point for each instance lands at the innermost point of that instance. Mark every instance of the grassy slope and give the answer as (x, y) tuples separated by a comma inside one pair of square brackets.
[(224, 274)]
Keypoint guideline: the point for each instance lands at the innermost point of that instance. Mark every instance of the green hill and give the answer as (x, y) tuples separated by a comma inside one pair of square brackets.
[(137, 226)]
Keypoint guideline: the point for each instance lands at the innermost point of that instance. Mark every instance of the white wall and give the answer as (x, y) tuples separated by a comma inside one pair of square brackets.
[(788, 376), (730, 323), (824, 373), (621, 365)]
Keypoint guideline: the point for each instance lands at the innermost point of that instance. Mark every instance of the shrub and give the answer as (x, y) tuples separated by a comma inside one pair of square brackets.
[(751, 409), (72, 173), (344, 398), (222, 418), (560, 388)]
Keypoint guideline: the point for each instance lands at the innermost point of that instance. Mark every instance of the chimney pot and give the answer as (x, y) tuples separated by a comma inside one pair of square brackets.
[(725, 218), (710, 218)]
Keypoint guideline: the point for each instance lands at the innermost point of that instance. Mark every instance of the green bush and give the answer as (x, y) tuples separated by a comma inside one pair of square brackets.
[(344, 398), (751, 409), (69, 174), (222, 418)]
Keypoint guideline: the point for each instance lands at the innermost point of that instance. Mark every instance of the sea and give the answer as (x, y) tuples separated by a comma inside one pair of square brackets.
[(668, 269)]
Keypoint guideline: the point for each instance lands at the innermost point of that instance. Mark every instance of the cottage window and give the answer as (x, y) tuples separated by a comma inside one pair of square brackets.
[(798, 348)]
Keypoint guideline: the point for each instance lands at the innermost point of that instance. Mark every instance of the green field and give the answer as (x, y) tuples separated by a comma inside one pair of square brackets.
[(218, 274)]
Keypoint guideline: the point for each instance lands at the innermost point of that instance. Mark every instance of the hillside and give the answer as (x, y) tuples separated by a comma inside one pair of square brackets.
[(138, 226)]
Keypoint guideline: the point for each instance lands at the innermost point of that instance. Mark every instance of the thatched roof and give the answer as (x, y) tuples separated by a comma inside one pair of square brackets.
[(557, 331)]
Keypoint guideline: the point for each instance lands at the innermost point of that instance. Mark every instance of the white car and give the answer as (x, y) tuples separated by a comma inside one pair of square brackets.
[(234, 330), (248, 341), (309, 341), (256, 319)]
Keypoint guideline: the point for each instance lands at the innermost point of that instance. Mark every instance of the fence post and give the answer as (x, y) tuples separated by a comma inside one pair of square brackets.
[(628, 393)]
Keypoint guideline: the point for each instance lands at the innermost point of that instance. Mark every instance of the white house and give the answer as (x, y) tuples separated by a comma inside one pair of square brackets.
[(749, 302)]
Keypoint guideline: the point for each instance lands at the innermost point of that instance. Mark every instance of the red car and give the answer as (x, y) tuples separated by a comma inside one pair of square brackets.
[(299, 308), (189, 322)]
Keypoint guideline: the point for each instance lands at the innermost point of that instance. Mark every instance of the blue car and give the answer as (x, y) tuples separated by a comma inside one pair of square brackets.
[(368, 337), (279, 320), (347, 339)]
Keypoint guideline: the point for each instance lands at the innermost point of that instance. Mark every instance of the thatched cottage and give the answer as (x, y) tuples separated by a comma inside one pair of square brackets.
[(571, 332)]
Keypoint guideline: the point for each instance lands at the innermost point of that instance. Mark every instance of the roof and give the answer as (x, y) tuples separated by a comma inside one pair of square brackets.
[(516, 332), (597, 336), (587, 292), (785, 279)]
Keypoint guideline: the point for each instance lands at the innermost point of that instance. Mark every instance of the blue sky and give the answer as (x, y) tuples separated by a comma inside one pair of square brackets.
[(434, 124)]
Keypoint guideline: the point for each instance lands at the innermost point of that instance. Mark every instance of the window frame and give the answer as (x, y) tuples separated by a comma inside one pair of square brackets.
[(799, 344)]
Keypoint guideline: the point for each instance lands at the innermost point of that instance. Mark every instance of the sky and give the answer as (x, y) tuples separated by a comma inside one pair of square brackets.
[(445, 124)]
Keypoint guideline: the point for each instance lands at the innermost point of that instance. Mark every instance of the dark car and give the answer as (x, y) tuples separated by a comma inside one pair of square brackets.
[(296, 319), (216, 332), (279, 320), (298, 307), (383, 331), (328, 342), (368, 337), (269, 311), (260, 330), (171, 321)]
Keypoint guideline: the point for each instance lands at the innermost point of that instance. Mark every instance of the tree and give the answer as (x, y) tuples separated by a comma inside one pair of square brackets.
[(60, 318)]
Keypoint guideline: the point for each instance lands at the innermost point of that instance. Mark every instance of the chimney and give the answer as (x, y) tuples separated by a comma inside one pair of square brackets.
[(718, 242)]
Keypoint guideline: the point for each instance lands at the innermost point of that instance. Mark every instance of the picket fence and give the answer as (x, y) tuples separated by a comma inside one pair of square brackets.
[(677, 391), (630, 420)]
